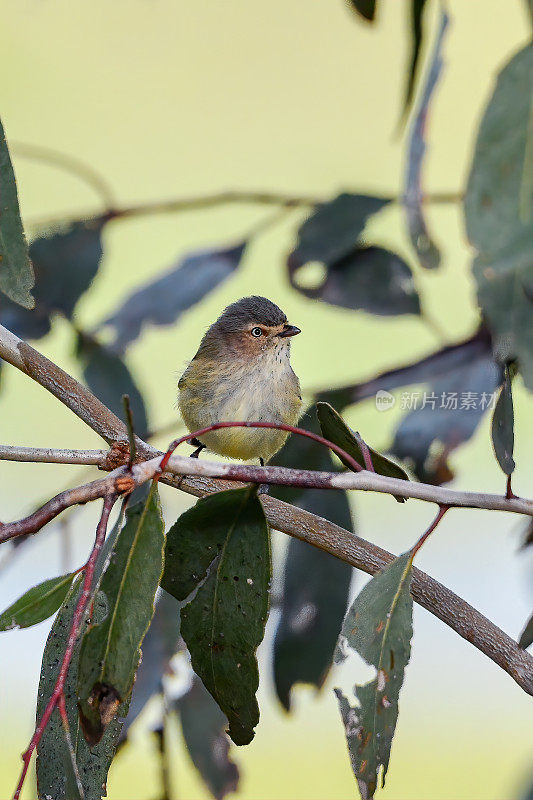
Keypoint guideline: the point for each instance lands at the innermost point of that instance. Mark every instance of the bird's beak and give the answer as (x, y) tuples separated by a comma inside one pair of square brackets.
[(289, 330)]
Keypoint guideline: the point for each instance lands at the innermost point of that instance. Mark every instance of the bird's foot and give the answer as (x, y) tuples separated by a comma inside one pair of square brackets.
[(263, 487), (199, 447)]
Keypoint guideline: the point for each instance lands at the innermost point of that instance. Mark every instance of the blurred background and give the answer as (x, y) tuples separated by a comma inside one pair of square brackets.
[(171, 99)]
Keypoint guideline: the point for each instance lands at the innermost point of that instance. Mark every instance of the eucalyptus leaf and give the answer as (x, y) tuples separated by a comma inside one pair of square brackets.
[(379, 628), (16, 272), (367, 8), (225, 621), (110, 651), (416, 31), (503, 426), (37, 604)]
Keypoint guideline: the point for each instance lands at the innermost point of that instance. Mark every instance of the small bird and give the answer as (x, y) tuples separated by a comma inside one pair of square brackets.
[(242, 373)]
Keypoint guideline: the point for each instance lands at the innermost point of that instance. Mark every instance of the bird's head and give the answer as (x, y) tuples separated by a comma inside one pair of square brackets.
[(250, 327)]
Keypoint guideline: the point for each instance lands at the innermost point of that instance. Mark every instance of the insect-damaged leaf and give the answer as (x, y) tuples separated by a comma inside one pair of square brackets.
[(367, 8), (503, 426), (162, 301), (108, 377), (37, 604), (315, 584), (55, 773), (379, 627), (337, 431), (16, 273), (110, 650), (499, 214), (225, 621), (203, 725)]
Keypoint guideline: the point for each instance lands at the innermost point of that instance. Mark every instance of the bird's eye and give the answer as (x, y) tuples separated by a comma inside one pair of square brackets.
[(257, 332)]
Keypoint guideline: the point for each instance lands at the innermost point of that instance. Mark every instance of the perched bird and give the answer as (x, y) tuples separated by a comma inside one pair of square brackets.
[(242, 372)]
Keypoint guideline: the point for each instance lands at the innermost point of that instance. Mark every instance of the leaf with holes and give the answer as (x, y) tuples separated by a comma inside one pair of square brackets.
[(224, 623), (379, 627), (315, 584), (203, 725), (499, 213), (110, 651), (37, 604), (503, 426), (163, 301), (16, 273)]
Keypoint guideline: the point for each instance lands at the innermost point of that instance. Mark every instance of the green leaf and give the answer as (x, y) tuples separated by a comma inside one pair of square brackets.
[(16, 272), (315, 584), (337, 431), (499, 213), (110, 650), (503, 426), (417, 10), (526, 637), (203, 725), (225, 622), (55, 773), (379, 627), (37, 604), (367, 8)]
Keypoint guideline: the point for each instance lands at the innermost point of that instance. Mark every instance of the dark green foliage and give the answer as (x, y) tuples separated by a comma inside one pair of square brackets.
[(110, 651), (164, 300), (379, 627), (337, 431), (108, 377), (16, 273), (224, 623), (203, 725), (503, 426), (498, 210), (315, 584), (37, 604), (367, 8), (417, 10), (55, 775)]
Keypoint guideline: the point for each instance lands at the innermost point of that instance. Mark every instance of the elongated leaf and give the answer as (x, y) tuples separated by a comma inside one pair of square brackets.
[(503, 426), (337, 431), (417, 10), (108, 377), (37, 604), (379, 627), (426, 250), (55, 775), (367, 8), (16, 273), (163, 301), (499, 213), (225, 621), (203, 725), (526, 637), (315, 584), (159, 645), (110, 651)]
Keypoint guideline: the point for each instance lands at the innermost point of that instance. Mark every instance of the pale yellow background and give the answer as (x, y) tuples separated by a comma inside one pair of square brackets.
[(174, 99)]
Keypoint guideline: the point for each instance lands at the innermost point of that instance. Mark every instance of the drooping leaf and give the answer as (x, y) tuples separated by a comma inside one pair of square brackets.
[(65, 264), (315, 584), (426, 250), (333, 230), (16, 273), (444, 416), (367, 8), (203, 725), (436, 365), (417, 10), (503, 426), (337, 431), (110, 650), (225, 621), (499, 213), (55, 775), (159, 645), (37, 604), (379, 627), (526, 637), (108, 377), (163, 301)]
